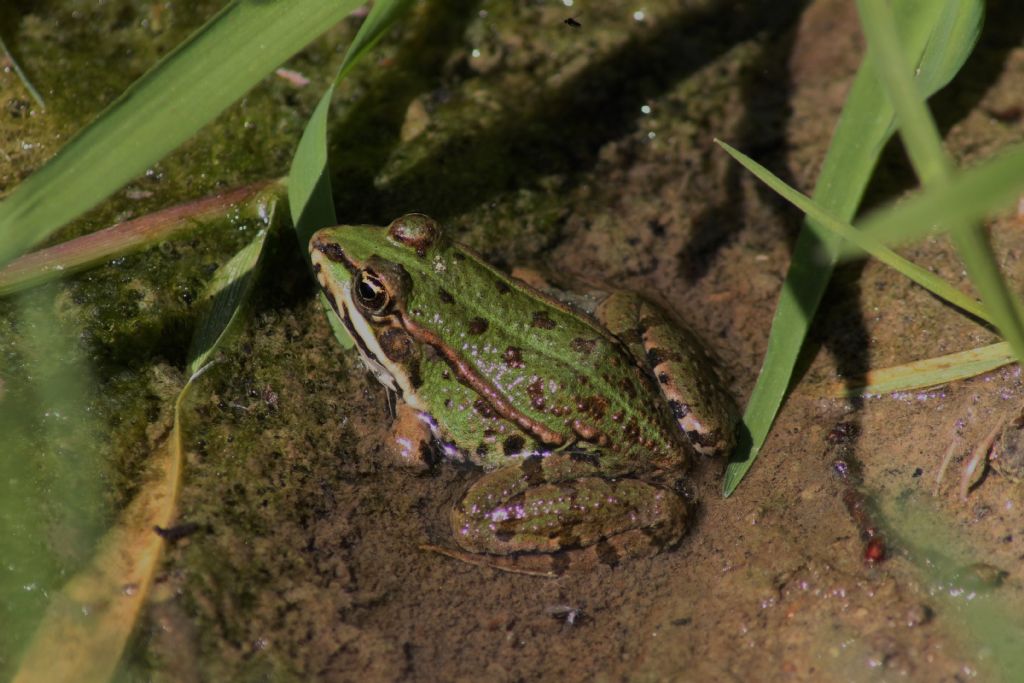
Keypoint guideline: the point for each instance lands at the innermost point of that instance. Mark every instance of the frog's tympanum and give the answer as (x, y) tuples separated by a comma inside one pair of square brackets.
[(582, 410)]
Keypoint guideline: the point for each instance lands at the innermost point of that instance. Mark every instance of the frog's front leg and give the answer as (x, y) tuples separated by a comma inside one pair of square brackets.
[(677, 358), (559, 505), (411, 442)]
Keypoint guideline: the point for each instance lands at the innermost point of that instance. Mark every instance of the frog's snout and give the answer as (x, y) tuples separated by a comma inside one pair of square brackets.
[(321, 243)]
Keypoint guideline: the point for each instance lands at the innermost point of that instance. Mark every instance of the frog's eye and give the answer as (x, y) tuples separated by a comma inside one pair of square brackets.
[(415, 230), (370, 292)]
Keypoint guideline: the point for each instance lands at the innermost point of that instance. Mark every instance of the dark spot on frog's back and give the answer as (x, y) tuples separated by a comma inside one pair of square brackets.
[(331, 250), (535, 390), (679, 410), (445, 296), (513, 444), (656, 357), (588, 457), (514, 357), (584, 346), (483, 408), (477, 326), (592, 405), (542, 321), (502, 287)]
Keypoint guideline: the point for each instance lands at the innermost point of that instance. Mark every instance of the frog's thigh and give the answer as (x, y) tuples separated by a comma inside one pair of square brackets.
[(685, 373), (537, 507)]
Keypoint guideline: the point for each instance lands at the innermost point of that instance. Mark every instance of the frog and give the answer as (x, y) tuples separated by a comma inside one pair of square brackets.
[(582, 411)]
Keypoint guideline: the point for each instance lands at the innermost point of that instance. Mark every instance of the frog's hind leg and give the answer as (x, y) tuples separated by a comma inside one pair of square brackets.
[(545, 513), (608, 552), (685, 372)]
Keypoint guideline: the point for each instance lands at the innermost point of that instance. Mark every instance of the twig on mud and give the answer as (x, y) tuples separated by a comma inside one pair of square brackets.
[(124, 238)]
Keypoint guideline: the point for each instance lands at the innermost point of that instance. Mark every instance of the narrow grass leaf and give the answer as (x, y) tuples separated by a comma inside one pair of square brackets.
[(918, 129), (864, 126), (821, 219), (935, 168), (930, 372), (181, 93), (90, 620), (53, 466), (131, 236), (952, 38), (22, 76), (225, 296), (87, 624), (972, 195), (309, 183)]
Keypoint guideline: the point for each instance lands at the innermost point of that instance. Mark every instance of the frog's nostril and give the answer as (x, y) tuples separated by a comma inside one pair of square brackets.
[(332, 250)]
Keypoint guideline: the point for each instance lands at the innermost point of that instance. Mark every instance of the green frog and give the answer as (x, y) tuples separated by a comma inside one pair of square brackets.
[(583, 411)]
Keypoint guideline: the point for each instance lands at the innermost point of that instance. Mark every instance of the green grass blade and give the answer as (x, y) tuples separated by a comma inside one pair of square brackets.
[(225, 295), (973, 194), (89, 621), (951, 40), (54, 471), (861, 133), (183, 92), (131, 236), (380, 19), (22, 76), (309, 182), (929, 372), (921, 138), (918, 374), (918, 130), (819, 218), (309, 185), (970, 196), (129, 553)]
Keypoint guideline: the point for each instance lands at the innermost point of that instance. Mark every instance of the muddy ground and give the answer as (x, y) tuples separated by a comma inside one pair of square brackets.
[(584, 148)]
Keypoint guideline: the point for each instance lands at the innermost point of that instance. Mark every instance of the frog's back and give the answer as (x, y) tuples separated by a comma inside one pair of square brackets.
[(535, 374)]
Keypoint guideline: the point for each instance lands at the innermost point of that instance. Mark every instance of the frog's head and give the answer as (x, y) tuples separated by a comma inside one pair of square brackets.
[(366, 273)]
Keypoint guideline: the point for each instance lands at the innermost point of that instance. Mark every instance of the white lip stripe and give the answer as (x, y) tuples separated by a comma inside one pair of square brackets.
[(387, 373)]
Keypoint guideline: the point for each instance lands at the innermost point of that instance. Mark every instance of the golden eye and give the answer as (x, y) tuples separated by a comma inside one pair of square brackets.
[(371, 293)]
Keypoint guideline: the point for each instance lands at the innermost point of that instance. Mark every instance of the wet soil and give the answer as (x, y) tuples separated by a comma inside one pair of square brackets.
[(589, 148)]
